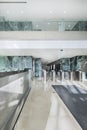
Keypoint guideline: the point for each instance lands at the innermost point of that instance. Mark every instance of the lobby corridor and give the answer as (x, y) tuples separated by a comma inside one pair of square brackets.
[(36, 110), (43, 109)]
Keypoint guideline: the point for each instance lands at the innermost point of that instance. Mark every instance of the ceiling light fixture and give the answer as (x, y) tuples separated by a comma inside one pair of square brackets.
[(13, 2), (22, 11), (50, 12), (37, 25), (69, 25), (48, 23), (7, 12), (64, 11)]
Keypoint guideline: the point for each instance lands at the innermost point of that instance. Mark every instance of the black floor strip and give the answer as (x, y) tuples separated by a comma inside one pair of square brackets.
[(76, 102)]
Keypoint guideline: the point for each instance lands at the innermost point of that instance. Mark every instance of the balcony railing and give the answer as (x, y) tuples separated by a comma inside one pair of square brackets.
[(6, 25)]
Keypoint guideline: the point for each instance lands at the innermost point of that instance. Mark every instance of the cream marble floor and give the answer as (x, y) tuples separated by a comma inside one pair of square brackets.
[(36, 110), (43, 111)]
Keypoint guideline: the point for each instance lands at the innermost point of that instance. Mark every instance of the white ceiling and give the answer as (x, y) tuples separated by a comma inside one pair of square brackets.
[(45, 10), (48, 51)]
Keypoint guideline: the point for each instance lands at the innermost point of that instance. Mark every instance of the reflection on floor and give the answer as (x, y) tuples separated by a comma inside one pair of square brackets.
[(42, 111), (10, 96), (36, 111)]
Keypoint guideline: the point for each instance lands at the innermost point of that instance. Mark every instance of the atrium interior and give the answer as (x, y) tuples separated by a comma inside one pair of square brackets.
[(43, 65)]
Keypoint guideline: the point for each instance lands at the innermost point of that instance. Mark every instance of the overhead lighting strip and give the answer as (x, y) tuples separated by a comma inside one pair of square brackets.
[(13, 1), (1, 2)]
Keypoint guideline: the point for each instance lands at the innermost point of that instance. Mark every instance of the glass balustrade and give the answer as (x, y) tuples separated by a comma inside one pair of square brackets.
[(14, 90), (49, 25)]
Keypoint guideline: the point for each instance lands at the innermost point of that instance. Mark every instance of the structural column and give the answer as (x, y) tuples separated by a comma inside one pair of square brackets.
[(54, 76), (54, 73), (62, 26), (83, 76), (62, 75), (44, 72), (30, 78), (54, 67), (33, 68), (59, 75), (80, 75), (71, 75)]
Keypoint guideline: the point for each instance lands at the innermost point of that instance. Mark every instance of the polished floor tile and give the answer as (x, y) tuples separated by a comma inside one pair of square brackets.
[(43, 111)]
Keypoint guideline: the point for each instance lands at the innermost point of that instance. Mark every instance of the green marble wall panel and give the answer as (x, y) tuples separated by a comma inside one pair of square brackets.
[(2, 26), (71, 64), (80, 61), (15, 26), (38, 67), (58, 65), (66, 64), (27, 26), (4, 64), (63, 64), (21, 63), (28, 62), (77, 62), (15, 63), (80, 26), (18, 63)]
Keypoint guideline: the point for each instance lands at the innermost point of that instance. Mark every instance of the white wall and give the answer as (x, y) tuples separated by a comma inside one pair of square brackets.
[(43, 35)]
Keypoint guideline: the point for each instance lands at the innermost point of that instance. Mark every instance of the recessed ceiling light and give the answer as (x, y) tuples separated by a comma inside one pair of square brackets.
[(12, 2), (7, 12), (69, 25), (59, 23), (48, 23), (22, 11), (64, 11), (50, 12), (37, 25)]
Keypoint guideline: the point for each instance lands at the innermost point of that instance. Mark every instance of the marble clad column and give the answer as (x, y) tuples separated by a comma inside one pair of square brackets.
[(33, 68), (38, 68), (83, 76), (51, 67), (30, 78), (59, 75), (71, 75), (44, 71), (62, 75), (54, 76), (54, 67), (51, 75)]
